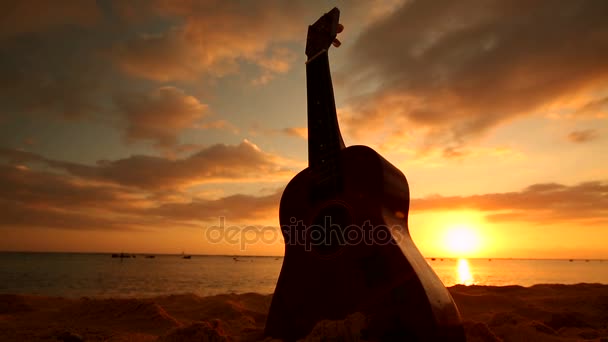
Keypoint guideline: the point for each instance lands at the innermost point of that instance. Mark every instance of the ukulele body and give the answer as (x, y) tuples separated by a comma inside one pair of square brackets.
[(379, 273), (347, 244)]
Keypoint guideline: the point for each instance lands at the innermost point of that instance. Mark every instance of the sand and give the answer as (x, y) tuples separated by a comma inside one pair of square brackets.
[(509, 313)]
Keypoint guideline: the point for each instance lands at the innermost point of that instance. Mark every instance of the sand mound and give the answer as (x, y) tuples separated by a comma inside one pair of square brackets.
[(241, 315), (512, 313), (132, 314), (539, 313), (12, 304), (200, 331)]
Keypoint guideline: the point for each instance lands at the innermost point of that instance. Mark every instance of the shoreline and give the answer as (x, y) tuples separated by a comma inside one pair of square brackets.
[(143, 254), (544, 312)]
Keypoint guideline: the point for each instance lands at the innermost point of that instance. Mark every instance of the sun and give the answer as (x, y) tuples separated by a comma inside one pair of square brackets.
[(461, 240)]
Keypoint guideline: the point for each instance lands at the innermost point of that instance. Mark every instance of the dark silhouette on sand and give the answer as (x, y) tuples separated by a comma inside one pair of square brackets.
[(344, 220)]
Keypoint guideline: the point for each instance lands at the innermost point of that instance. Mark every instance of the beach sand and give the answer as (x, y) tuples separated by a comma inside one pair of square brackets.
[(508, 313)]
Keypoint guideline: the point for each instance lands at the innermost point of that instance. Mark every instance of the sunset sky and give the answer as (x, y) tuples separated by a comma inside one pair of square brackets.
[(135, 125)]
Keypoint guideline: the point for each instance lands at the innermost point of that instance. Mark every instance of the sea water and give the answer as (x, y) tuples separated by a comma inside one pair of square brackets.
[(100, 275)]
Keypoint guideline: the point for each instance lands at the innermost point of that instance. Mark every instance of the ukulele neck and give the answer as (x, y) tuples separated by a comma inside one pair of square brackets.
[(324, 138)]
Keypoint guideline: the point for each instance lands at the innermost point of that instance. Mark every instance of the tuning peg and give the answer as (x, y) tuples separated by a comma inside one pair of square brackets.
[(336, 43), (340, 28)]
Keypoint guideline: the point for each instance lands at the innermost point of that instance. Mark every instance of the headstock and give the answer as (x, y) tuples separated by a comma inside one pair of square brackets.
[(323, 33)]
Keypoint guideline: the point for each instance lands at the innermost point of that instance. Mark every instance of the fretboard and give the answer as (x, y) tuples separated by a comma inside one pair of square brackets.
[(324, 138)]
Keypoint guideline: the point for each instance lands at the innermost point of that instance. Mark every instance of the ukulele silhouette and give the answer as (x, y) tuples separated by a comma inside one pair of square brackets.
[(347, 244)]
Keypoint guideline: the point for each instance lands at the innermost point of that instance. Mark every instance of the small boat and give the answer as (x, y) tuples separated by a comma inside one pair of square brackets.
[(187, 257), (150, 256), (122, 255)]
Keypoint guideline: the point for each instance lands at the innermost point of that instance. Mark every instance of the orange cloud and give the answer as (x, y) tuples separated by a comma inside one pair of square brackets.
[(235, 209), (146, 193), (213, 40), (583, 136), (40, 199), (216, 163), (540, 203), (300, 132), (463, 68), (160, 115)]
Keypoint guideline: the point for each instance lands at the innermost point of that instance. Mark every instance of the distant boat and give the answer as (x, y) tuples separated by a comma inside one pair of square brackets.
[(433, 259), (235, 259), (150, 256), (184, 256), (122, 255)]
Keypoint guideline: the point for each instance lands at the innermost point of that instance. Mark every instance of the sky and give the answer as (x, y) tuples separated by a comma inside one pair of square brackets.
[(139, 126)]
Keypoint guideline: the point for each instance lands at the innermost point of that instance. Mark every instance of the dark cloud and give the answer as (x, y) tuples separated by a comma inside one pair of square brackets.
[(213, 39), (98, 198), (21, 215), (540, 203), (461, 68), (42, 199), (236, 208), (27, 16), (583, 136), (160, 115), (30, 198), (217, 163), (41, 189), (53, 75)]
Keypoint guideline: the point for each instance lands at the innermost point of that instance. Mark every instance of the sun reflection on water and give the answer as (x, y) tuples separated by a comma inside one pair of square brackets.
[(464, 272)]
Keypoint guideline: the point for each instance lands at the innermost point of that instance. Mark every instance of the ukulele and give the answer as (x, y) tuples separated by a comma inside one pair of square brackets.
[(347, 244)]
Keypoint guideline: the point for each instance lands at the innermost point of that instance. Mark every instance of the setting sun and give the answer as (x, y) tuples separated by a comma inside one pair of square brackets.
[(461, 240)]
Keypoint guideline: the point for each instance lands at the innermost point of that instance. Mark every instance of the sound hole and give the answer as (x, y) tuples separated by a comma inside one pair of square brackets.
[(326, 232)]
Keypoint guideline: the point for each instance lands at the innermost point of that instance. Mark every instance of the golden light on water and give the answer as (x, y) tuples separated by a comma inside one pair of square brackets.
[(464, 272)]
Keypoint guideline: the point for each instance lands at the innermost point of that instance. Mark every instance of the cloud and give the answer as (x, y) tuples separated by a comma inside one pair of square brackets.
[(53, 74), (41, 199), (27, 16), (221, 125), (217, 163), (235, 209), (41, 189), (160, 115), (296, 132), (583, 136), (299, 132), (32, 198), (279, 62), (214, 37), (459, 69), (540, 203), (114, 198), (596, 108)]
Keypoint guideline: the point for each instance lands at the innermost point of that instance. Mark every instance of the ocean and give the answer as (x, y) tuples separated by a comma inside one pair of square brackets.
[(100, 275)]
